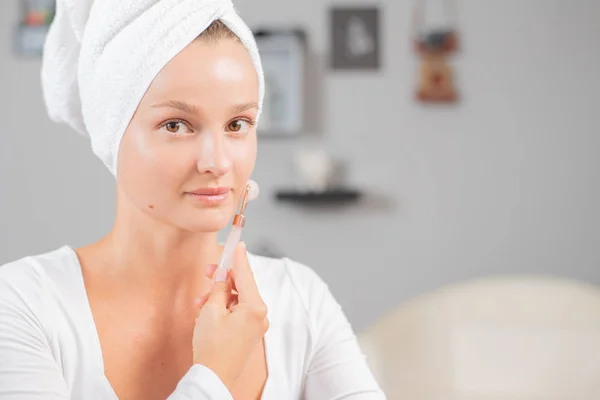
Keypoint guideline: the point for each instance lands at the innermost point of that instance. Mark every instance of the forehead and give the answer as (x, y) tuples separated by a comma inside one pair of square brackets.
[(216, 71)]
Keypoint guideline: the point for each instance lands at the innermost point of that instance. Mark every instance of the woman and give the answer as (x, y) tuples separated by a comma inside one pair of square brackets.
[(143, 313)]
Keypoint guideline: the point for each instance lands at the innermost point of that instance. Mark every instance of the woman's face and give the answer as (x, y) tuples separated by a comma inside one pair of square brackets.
[(190, 148)]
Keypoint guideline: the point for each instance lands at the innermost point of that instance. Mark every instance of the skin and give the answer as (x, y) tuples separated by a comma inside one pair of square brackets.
[(145, 277)]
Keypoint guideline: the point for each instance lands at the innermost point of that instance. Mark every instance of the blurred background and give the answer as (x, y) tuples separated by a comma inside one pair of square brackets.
[(460, 165)]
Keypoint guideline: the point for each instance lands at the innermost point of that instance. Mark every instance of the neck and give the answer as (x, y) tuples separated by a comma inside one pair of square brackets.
[(155, 254)]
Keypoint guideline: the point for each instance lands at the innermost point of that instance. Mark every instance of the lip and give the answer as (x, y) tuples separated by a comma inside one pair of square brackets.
[(210, 191), (210, 196)]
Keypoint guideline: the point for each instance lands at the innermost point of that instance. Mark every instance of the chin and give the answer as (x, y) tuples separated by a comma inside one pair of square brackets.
[(206, 228), (206, 223)]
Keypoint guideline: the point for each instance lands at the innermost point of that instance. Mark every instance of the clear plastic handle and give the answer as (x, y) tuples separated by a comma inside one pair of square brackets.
[(232, 241)]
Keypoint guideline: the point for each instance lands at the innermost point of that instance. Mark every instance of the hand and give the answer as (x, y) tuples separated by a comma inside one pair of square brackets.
[(229, 326)]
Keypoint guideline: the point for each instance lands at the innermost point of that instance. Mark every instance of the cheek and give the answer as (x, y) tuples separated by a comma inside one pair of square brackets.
[(145, 166), (140, 151), (245, 159)]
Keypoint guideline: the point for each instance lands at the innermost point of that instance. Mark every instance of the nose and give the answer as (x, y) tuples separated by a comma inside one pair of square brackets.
[(213, 156)]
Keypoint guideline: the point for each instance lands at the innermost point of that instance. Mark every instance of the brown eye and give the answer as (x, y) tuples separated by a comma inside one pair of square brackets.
[(177, 127), (239, 127), (172, 126), (235, 126)]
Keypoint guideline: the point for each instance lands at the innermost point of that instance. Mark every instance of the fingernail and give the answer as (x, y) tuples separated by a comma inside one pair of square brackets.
[(209, 267), (220, 275), (243, 244)]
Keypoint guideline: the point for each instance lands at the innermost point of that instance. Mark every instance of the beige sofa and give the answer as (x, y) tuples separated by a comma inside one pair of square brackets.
[(508, 338)]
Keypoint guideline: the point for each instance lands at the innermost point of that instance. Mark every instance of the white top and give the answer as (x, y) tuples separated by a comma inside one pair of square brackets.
[(49, 346)]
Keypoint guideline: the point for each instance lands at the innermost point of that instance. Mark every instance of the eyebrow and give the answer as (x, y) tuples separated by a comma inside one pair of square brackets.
[(192, 109), (244, 107)]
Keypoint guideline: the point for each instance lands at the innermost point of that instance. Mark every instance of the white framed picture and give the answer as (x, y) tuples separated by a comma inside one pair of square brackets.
[(283, 57)]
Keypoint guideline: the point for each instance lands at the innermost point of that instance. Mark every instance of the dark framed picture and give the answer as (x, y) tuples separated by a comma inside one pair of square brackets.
[(355, 38)]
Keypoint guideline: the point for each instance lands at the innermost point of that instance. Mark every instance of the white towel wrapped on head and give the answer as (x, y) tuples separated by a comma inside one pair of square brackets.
[(101, 56)]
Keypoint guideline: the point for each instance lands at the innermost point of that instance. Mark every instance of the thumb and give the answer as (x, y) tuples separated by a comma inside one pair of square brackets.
[(221, 290)]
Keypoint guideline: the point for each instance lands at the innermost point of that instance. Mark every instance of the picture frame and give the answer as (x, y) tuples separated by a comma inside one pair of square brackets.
[(283, 60), (355, 38), (29, 40), (31, 31)]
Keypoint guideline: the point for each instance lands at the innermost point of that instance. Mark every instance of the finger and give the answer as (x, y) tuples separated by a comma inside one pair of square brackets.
[(201, 301), (221, 290), (232, 280), (210, 270), (233, 301), (232, 283), (243, 277)]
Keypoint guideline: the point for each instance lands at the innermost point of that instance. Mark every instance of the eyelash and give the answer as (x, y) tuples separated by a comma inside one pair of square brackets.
[(246, 120), (180, 121)]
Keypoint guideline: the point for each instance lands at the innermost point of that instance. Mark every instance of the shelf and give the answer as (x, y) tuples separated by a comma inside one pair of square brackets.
[(332, 196)]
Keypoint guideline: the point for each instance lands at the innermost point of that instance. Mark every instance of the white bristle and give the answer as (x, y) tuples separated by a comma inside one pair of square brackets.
[(253, 191)]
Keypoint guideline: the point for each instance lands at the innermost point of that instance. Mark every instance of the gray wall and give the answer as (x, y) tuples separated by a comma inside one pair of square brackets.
[(505, 182)]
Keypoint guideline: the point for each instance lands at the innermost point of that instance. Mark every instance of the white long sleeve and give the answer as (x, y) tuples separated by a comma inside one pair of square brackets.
[(337, 367), (29, 370), (50, 350), (200, 383)]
